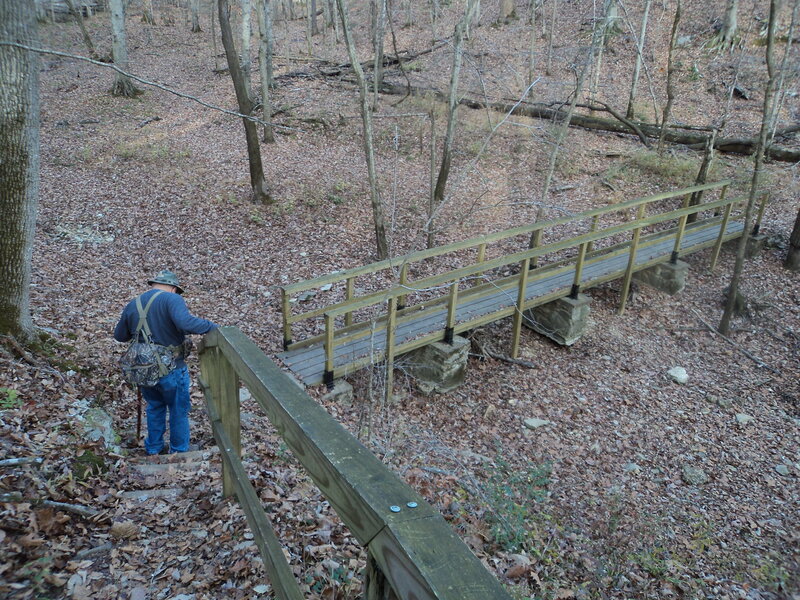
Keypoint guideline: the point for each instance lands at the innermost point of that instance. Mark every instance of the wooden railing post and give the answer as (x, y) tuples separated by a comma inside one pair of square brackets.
[(224, 384), (391, 324), (287, 326), (330, 327), (523, 283), (401, 300), (626, 282), (376, 586), (722, 229), (452, 304), (592, 229), (576, 283), (349, 292), (679, 234)]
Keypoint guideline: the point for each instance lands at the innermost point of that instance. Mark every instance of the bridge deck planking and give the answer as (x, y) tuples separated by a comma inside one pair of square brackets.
[(308, 363)]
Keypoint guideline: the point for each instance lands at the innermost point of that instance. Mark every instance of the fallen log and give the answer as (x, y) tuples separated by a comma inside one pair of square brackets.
[(745, 146)]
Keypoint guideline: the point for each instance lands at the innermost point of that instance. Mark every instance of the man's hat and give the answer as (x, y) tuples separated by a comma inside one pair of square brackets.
[(167, 278)]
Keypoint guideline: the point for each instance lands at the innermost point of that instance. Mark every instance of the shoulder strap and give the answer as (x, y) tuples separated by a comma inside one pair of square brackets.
[(143, 314)]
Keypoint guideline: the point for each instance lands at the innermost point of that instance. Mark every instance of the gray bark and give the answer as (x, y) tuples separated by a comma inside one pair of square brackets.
[(550, 35), (727, 315), (637, 67), (792, 261), (369, 151), (452, 109), (670, 77), (148, 17), (19, 165), (244, 58), (265, 63), (195, 6), (123, 86), (257, 181), (378, 8)]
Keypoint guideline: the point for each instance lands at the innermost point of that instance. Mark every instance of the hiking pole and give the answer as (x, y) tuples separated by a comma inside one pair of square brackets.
[(138, 414)]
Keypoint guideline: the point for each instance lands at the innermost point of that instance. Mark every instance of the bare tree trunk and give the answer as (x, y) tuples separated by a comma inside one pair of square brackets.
[(452, 108), (378, 9), (366, 116), (730, 26), (727, 315), (123, 86), (550, 35), (609, 26), (78, 14), (702, 175), (214, 8), (430, 237), (781, 93), (597, 40), (314, 27), (195, 6), (244, 56), (670, 76), (792, 261), (148, 16), (638, 65), (257, 181), (508, 11), (264, 9), (19, 167), (532, 45)]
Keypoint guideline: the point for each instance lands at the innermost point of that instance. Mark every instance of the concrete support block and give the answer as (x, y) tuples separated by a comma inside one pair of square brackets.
[(342, 392), (439, 367), (563, 321), (666, 277), (755, 244)]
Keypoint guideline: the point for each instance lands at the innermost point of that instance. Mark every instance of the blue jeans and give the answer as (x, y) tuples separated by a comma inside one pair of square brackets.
[(171, 394)]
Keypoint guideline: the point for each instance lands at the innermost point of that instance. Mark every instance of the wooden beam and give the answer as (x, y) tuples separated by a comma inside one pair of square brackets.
[(520, 306)]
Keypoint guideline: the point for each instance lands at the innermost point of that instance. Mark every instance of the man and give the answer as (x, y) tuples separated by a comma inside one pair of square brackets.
[(169, 320)]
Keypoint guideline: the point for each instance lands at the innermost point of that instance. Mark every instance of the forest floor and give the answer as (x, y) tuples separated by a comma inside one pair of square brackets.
[(637, 487)]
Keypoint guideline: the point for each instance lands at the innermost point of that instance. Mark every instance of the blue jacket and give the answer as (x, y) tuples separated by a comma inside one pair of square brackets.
[(169, 320)]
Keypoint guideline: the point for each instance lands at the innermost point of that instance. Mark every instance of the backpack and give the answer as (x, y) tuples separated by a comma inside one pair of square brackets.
[(144, 363)]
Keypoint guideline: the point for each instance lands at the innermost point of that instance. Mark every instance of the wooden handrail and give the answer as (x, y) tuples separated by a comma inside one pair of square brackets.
[(420, 255), (412, 544), (443, 279)]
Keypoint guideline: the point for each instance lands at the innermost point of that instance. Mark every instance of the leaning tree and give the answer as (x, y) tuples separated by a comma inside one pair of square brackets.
[(19, 163)]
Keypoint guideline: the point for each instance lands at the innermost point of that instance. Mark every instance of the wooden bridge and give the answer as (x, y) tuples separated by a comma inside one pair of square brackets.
[(345, 328)]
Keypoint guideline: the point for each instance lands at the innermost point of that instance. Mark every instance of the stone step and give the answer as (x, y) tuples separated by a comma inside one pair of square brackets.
[(177, 457)]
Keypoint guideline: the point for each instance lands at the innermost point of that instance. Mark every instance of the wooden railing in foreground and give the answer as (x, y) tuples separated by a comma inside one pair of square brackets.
[(412, 552)]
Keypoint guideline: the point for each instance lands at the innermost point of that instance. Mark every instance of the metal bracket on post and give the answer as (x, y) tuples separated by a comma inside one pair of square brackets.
[(287, 343), (448, 335), (576, 289), (756, 229), (327, 379), (674, 257)]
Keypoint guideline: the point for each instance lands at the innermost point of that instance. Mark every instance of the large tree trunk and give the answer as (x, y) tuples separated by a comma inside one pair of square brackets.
[(123, 86), (244, 58), (792, 261), (727, 315), (730, 25), (19, 167), (508, 11), (257, 181), (264, 9)]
